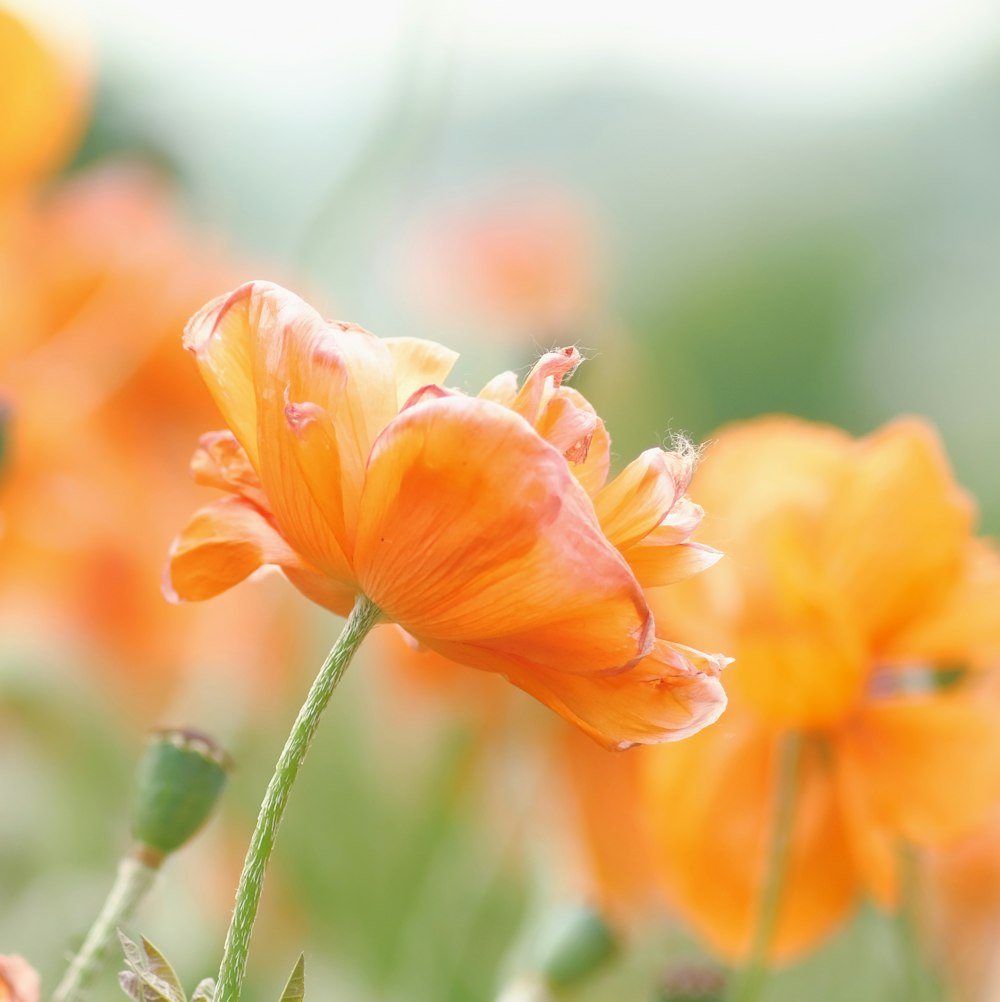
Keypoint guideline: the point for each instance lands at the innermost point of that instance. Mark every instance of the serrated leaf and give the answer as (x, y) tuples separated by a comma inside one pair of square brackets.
[(129, 982), (295, 990), (205, 991)]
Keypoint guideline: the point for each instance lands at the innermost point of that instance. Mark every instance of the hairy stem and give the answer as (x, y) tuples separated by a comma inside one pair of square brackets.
[(363, 617)]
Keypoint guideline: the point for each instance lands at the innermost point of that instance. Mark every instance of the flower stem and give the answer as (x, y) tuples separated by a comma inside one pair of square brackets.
[(921, 982), (135, 876), (749, 983), (363, 617)]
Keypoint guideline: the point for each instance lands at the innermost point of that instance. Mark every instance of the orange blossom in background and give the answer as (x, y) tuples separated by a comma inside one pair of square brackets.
[(853, 579)]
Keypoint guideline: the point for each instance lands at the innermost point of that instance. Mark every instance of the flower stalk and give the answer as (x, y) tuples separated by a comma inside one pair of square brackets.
[(749, 982), (363, 617), (135, 876)]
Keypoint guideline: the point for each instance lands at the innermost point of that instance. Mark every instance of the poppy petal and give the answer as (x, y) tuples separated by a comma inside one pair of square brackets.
[(418, 363), (669, 695), (710, 806), (639, 498), (220, 546), (896, 532), (473, 531)]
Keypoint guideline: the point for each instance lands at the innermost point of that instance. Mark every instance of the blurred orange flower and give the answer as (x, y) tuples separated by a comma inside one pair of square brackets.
[(468, 521), (19, 981), (97, 275), (43, 93), (525, 263), (853, 580)]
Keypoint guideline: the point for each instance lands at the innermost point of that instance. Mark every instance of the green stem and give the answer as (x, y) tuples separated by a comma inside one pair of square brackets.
[(363, 617), (749, 983), (921, 982), (135, 876)]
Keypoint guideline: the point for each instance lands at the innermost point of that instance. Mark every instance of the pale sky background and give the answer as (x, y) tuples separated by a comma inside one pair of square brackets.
[(850, 54)]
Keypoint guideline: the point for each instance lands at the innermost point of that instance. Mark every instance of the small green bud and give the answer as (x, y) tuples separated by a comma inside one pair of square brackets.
[(580, 945), (178, 782)]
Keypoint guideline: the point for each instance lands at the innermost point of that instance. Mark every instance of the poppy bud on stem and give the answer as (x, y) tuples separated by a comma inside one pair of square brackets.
[(178, 782)]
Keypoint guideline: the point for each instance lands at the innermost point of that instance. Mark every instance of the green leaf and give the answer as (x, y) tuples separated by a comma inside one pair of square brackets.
[(295, 990), (205, 991), (151, 979), (158, 965)]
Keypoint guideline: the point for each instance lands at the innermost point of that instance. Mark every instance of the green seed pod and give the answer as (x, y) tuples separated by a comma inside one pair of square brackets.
[(582, 944), (178, 781)]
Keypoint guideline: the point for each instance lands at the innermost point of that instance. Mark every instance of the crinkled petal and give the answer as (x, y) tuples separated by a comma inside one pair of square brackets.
[(639, 498), (472, 530), (418, 362), (710, 806), (895, 536), (544, 379), (220, 461), (567, 428), (592, 471), (223, 544), (669, 695)]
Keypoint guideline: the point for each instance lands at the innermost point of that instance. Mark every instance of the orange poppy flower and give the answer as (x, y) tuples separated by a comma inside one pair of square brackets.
[(469, 521), (853, 578)]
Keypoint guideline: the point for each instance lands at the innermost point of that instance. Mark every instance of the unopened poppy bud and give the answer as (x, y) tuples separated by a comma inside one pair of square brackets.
[(581, 943), (178, 782)]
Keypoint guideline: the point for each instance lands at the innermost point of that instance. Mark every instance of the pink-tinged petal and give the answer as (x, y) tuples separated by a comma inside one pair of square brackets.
[(418, 363), (592, 471), (543, 380), (681, 521), (567, 428), (656, 565), (221, 462), (223, 337), (473, 532), (665, 697), (222, 545), (639, 498), (302, 379), (895, 536)]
